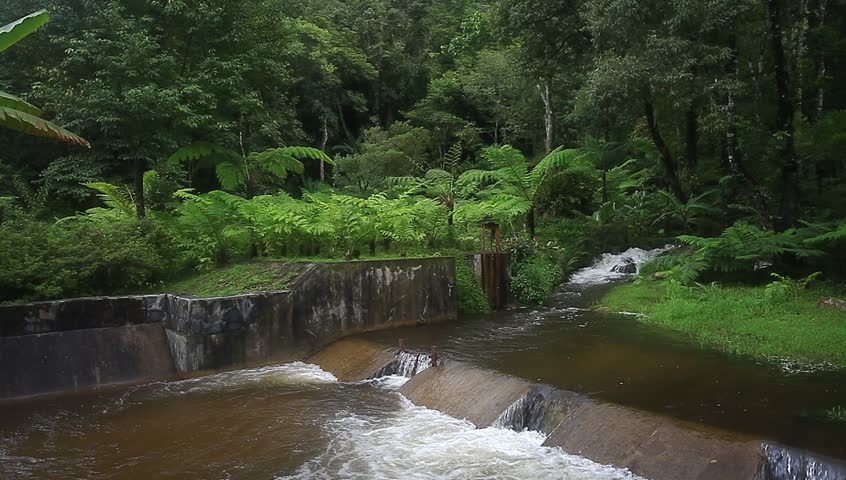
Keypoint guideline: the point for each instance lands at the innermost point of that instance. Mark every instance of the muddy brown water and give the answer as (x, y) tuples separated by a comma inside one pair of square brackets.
[(297, 421), (617, 358), (287, 421)]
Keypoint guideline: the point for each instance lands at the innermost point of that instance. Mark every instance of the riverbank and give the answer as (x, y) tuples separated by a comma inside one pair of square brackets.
[(741, 320)]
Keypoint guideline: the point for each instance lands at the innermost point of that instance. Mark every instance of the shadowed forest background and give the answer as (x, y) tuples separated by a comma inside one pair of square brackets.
[(224, 131)]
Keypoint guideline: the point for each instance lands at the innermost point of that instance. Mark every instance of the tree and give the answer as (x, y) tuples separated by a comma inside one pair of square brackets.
[(513, 183), (245, 172), (18, 114)]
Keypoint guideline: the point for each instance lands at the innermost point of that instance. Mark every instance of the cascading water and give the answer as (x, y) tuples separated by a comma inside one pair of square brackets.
[(783, 463), (406, 364), (540, 410), (609, 267)]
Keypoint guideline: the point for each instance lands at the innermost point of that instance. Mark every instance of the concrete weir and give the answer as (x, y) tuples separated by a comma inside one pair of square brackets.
[(69, 345), (653, 446)]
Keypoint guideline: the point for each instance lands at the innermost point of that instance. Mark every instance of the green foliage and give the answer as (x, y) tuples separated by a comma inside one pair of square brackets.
[(784, 288), (80, 257), (740, 319), (235, 171), (537, 270), (395, 152), (469, 294), (208, 229), (535, 278), (689, 213), (836, 414), (16, 113), (234, 280), (741, 248)]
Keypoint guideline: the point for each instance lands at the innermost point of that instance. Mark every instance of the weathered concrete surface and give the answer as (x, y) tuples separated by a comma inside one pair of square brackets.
[(650, 445), (462, 391), (78, 359), (219, 333), (81, 313), (655, 447), (326, 302), (339, 299), (352, 359)]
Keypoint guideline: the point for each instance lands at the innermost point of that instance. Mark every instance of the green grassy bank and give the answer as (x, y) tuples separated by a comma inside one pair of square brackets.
[(743, 320)]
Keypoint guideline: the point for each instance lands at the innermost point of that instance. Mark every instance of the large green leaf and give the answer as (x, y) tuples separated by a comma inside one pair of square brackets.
[(32, 125), (11, 33), (10, 101), (202, 151)]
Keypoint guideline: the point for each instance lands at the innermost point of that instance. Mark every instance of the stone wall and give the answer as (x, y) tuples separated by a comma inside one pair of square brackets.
[(68, 345)]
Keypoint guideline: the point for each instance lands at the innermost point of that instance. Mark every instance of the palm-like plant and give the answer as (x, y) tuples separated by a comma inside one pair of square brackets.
[(513, 185), (16, 113), (444, 184), (688, 213), (236, 171)]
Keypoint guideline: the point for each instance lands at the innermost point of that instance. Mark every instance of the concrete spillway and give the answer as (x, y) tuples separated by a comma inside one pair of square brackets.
[(650, 445)]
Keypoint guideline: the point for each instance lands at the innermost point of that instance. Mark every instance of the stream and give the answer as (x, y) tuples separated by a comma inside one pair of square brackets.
[(297, 421), (617, 358), (288, 421)]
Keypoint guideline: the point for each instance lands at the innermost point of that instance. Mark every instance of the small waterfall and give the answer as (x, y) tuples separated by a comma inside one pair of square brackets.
[(610, 266), (406, 364), (541, 410), (783, 463)]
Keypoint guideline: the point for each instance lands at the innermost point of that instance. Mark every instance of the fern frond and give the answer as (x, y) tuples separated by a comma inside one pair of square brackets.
[(200, 151), (114, 197)]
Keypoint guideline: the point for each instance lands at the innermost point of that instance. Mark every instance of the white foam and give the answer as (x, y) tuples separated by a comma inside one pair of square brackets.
[(295, 373), (419, 443), (602, 269)]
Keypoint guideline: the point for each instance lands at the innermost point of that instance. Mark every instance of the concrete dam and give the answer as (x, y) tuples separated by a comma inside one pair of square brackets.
[(311, 382)]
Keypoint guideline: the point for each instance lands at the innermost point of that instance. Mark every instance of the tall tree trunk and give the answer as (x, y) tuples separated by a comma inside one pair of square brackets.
[(530, 221), (692, 139), (138, 185), (733, 164), (821, 69), (786, 111), (670, 168), (800, 49), (323, 141), (548, 115)]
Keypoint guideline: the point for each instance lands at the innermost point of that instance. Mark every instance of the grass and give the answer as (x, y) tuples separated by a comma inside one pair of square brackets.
[(235, 280), (258, 276), (741, 319), (836, 414)]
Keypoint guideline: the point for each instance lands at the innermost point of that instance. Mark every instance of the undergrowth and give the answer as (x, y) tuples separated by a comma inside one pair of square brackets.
[(745, 320)]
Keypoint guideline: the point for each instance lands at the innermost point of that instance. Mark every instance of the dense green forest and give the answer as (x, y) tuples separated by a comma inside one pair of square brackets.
[(211, 132)]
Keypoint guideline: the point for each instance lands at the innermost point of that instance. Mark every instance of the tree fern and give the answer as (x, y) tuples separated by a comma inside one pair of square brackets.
[(115, 198)]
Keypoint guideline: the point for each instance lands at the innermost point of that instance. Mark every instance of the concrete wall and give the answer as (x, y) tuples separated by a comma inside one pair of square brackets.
[(337, 299), (67, 345), (218, 333)]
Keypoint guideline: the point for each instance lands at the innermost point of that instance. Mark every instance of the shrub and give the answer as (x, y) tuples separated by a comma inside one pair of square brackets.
[(535, 277), (471, 298), (78, 257)]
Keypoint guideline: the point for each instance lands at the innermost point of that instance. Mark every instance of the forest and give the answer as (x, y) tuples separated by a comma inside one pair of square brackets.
[(149, 140)]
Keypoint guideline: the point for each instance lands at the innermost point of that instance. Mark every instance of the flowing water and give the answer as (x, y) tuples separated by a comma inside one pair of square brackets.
[(297, 421), (289, 421), (614, 357)]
